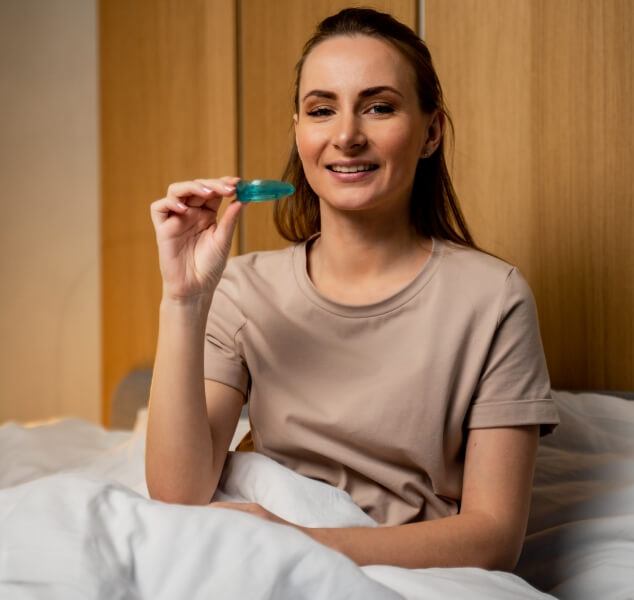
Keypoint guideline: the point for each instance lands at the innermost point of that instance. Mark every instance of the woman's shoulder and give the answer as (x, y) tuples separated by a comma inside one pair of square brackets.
[(467, 258), (476, 270)]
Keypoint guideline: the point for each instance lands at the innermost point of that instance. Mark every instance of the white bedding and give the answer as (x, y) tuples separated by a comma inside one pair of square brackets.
[(76, 522)]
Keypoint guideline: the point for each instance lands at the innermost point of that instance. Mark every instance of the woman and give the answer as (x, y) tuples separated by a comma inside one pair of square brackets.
[(383, 352)]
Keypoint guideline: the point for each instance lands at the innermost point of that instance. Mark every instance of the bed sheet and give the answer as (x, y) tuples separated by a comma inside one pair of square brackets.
[(76, 522), (580, 536)]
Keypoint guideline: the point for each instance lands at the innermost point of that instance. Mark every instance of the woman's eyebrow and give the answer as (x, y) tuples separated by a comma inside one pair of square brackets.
[(320, 94), (372, 91)]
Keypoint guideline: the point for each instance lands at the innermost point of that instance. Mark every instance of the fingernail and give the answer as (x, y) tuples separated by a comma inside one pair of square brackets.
[(229, 187), (181, 205), (208, 190)]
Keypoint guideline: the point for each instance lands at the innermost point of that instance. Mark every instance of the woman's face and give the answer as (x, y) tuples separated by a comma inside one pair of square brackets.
[(360, 130)]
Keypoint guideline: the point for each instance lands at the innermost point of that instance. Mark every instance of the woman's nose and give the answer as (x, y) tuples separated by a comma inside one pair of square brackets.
[(349, 133)]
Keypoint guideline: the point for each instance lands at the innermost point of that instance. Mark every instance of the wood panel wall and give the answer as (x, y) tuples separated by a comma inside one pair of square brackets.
[(168, 113), (181, 98), (540, 92), (541, 95)]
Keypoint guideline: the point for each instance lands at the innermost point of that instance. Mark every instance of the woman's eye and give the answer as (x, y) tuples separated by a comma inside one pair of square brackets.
[(382, 109), (320, 112)]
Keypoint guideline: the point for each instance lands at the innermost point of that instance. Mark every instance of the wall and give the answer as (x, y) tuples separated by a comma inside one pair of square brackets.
[(168, 113), (49, 234), (541, 96), (185, 94), (520, 76), (540, 92)]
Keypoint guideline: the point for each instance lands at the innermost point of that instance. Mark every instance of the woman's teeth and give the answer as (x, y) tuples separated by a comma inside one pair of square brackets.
[(354, 169)]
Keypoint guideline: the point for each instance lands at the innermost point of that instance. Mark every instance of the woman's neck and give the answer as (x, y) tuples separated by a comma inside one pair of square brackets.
[(364, 252)]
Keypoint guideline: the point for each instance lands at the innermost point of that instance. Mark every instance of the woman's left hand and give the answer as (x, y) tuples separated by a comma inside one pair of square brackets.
[(254, 509)]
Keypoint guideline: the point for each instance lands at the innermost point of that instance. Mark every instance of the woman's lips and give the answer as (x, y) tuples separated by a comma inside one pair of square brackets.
[(352, 177)]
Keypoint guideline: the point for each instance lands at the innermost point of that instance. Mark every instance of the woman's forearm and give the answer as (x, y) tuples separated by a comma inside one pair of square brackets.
[(179, 451), (464, 540)]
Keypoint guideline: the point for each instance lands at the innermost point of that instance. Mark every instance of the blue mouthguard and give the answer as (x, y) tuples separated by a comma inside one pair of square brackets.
[(260, 190)]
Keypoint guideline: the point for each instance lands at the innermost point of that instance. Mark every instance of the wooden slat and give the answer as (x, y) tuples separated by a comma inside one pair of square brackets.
[(541, 95), (272, 35), (168, 113)]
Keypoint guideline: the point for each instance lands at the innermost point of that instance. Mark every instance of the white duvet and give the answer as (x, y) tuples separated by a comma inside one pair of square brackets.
[(76, 522)]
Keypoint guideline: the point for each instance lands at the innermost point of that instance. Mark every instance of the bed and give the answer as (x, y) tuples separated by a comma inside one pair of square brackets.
[(76, 520)]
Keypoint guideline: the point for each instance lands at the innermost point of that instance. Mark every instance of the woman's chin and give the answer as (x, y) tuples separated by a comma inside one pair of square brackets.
[(353, 204), (347, 202)]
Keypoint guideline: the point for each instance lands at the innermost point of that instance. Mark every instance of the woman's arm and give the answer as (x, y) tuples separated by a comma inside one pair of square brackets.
[(490, 529), (190, 421)]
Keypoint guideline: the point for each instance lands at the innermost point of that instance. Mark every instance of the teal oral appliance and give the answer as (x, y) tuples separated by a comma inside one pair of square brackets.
[(261, 190)]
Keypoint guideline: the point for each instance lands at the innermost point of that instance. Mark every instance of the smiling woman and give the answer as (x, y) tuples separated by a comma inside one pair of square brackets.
[(367, 129), (383, 353), (408, 89), (360, 133)]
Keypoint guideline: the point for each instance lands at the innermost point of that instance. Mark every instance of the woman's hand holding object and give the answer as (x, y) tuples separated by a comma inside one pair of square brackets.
[(193, 245)]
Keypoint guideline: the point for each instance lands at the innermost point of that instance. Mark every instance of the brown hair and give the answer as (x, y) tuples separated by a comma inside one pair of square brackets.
[(434, 209)]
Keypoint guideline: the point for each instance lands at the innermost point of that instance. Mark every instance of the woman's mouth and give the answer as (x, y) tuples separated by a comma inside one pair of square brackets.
[(339, 168), (351, 173)]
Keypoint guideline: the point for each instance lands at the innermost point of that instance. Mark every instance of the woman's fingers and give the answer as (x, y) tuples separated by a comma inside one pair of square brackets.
[(223, 187), (161, 209), (230, 179), (200, 192), (227, 224), (193, 243)]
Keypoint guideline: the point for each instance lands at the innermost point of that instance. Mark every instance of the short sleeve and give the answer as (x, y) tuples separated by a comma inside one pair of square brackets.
[(223, 356), (514, 387)]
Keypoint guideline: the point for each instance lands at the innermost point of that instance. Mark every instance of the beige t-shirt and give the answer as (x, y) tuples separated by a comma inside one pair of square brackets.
[(377, 399)]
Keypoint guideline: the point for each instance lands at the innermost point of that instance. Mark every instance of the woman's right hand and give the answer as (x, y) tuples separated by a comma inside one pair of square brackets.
[(193, 245)]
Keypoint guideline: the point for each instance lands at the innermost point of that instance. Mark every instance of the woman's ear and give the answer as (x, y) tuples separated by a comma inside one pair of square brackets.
[(295, 121), (435, 130)]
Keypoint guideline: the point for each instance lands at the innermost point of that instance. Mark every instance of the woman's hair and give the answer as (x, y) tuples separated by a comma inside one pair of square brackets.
[(434, 209)]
